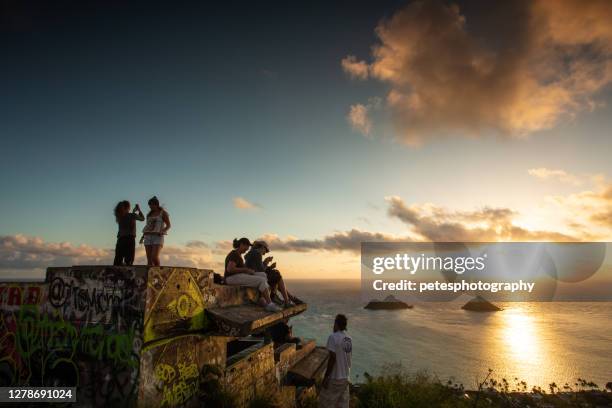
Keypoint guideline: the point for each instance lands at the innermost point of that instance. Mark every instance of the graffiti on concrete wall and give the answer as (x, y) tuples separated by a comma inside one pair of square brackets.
[(121, 335), (179, 383), (176, 301), (13, 297), (45, 344), (82, 328), (104, 295), (171, 368), (12, 294)]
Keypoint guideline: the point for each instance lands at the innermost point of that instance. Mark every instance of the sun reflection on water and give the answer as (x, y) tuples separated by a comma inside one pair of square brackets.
[(523, 345), (520, 335)]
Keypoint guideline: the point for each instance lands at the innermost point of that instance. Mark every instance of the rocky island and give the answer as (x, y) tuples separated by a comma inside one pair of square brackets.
[(389, 303), (480, 304)]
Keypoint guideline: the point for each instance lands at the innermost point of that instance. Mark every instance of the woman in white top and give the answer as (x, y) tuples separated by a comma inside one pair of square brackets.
[(158, 224)]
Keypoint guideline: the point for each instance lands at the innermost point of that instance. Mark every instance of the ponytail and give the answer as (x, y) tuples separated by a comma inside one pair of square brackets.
[(155, 201), (236, 243)]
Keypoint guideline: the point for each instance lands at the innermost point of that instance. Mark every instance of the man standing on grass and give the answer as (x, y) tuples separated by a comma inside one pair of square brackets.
[(335, 387)]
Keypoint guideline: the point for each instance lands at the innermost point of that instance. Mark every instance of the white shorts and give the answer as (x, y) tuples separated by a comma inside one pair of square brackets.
[(150, 239), (258, 280)]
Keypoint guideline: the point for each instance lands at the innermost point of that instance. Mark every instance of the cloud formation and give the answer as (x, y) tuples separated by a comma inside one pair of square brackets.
[(592, 207), (22, 252), (26, 252), (359, 119), (355, 69), (588, 214), (432, 223), (195, 254), (589, 210), (244, 204), (522, 67), (557, 174), (339, 241)]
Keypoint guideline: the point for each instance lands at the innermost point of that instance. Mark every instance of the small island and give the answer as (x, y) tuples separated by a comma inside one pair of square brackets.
[(480, 304), (389, 303)]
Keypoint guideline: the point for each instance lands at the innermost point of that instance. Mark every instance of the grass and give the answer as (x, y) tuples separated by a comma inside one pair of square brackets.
[(265, 400), (398, 389)]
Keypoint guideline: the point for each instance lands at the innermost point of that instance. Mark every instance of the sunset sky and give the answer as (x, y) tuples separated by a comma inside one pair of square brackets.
[(315, 125)]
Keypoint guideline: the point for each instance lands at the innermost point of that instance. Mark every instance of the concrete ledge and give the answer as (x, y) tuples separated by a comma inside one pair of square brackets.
[(227, 295), (309, 369), (244, 320)]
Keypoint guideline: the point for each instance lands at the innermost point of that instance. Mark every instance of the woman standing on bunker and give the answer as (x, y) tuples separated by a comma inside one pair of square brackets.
[(158, 224)]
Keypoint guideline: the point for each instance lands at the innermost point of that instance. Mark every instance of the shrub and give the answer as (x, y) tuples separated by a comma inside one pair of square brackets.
[(268, 399), (396, 388), (212, 392)]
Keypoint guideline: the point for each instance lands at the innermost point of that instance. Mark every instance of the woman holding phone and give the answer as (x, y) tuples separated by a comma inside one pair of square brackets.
[(126, 234)]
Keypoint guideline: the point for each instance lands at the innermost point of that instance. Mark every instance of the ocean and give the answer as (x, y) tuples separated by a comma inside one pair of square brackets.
[(536, 342)]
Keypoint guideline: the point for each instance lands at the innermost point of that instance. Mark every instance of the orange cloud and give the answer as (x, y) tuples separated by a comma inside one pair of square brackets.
[(244, 204), (27, 252), (22, 252), (448, 77), (355, 69), (433, 223), (590, 208), (339, 241), (359, 119)]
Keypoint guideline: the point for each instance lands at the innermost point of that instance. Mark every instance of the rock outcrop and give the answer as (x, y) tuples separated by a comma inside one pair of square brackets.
[(389, 303), (480, 304)]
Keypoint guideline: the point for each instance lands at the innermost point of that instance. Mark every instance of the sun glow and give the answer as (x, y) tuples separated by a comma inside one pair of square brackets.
[(521, 337)]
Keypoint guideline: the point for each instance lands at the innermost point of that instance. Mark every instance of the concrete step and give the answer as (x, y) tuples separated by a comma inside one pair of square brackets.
[(309, 369), (305, 348), (287, 355), (243, 320), (296, 352)]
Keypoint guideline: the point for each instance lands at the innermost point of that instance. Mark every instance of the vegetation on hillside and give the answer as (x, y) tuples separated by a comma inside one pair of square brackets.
[(398, 389)]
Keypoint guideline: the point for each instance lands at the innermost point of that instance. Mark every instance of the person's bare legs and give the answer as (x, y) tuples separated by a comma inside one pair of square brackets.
[(264, 298), (155, 254), (283, 290), (148, 250)]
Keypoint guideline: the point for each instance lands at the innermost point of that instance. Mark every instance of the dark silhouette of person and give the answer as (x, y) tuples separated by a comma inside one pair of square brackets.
[(158, 224), (254, 260), (126, 234)]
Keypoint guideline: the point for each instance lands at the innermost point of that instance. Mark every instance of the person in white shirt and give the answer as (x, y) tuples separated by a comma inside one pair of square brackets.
[(335, 387)]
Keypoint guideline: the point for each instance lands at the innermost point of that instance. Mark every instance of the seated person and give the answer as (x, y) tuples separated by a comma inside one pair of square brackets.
[(237, 274), (283, 333), (254, 260)]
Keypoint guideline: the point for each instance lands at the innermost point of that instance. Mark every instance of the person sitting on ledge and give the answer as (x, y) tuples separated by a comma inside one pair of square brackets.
[(237, 274), (254, 260)]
